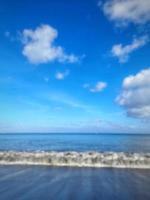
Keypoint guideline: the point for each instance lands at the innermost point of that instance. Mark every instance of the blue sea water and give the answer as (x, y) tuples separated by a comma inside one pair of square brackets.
[(70, 183), (75, 142)]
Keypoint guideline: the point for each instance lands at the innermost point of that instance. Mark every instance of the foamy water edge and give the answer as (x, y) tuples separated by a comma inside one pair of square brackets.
[(77, 159)]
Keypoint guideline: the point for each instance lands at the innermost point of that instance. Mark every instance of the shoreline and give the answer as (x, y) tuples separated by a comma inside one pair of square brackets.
[(77, 159)]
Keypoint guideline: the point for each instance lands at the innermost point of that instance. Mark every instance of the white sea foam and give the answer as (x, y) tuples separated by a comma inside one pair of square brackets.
[(77, 159)]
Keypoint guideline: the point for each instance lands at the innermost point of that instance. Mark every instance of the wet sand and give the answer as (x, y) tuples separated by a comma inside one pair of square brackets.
[(70, 183)]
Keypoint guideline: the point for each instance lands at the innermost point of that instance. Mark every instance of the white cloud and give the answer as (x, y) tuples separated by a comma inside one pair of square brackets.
[(39, 46), (61, 75), (140, 79), (100, 86), (128, 11), (122, 52), (135, 95)]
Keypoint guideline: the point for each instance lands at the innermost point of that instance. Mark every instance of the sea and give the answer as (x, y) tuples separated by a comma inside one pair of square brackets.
[(75, 142), (27, 182)]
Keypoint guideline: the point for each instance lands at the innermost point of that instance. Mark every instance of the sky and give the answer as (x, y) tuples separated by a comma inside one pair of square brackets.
[(75, 66)]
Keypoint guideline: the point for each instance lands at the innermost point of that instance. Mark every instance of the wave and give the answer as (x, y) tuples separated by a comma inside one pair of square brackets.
[(77, 159)]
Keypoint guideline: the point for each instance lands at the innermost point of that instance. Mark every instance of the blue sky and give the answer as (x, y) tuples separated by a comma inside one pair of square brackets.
[(75, 66)]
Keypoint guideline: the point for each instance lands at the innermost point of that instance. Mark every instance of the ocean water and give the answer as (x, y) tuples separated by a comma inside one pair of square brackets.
[(75, 142), (27, 182)]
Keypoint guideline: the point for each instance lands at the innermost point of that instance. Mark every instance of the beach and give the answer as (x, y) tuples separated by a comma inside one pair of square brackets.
[(76, 167), (65, 183)]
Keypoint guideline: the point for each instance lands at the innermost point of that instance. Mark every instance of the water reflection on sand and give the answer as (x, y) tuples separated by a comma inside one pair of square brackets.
[(64, 183)]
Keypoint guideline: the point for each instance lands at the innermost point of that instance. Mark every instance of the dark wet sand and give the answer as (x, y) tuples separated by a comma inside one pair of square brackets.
[(53, 183)]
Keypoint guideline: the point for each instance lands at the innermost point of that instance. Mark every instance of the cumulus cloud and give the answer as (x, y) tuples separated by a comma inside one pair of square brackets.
[(61, 75), (128, 11), (39, 46), (135, 95), (100, 86), (122, 52)]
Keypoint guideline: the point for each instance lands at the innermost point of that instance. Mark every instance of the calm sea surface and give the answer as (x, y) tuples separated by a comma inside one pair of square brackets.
[(75, 142)]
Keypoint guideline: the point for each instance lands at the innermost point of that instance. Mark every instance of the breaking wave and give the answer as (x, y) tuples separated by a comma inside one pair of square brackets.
[(77, 159)]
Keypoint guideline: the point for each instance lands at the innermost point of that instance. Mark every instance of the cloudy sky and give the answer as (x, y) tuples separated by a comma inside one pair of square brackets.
[(75, 66)]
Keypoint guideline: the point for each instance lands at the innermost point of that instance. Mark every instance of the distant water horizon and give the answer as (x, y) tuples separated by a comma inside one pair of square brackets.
[(100, 142), (77, 133)]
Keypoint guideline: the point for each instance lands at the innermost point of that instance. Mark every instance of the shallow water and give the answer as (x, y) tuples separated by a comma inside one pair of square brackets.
[(53, 183), (77, 159), (75, 142)]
